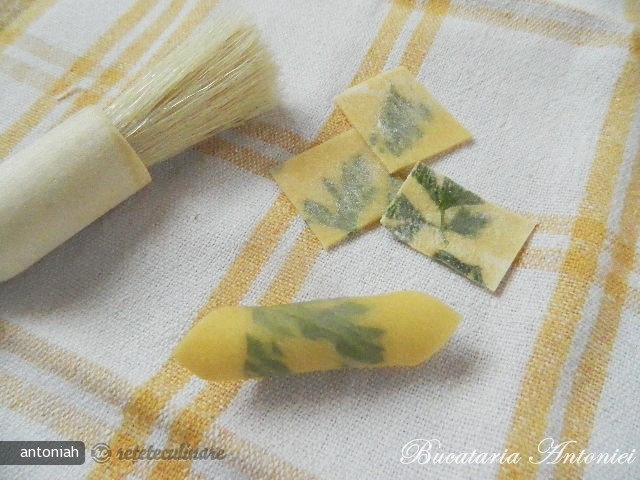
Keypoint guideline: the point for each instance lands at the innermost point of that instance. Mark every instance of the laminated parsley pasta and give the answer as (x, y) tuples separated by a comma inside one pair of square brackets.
[(398, 329), (454, 226), (400, 121), (339, 187)]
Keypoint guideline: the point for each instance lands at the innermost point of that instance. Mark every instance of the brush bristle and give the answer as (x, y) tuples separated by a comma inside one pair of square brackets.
[(215, 80)]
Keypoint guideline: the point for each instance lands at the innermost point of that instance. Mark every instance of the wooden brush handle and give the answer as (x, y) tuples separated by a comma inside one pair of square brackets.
[(60, 184)]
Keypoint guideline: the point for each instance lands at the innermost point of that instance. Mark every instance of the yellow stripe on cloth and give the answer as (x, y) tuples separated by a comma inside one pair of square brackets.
[(212, 400), (373, 63), (116, 72), (25, 73), (242, 157), (253, 461), (137, 426), (564, 313), (196, 16), (274, 135), (12, 32), (92, 377), (69, 422), (589, 380), (632, 11), (46, 409), (424, 34), (140, 414), (16, 28), (52, 54), (287, 139), (249, 263), (80, 68), (10, 9), (548, 27)]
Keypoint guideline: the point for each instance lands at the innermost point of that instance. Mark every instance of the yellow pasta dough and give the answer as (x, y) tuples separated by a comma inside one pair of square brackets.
[(441, 219), (397, 329), (338, 187), (400, 121)]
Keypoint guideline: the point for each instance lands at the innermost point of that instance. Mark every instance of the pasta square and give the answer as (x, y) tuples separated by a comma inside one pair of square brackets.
[(400, 121), (339, 187), (439, 218)]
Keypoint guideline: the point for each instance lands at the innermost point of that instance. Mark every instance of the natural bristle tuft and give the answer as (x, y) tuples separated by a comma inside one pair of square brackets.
[(216, 80)]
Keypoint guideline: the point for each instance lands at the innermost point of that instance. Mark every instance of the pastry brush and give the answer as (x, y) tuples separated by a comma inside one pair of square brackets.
[(81, 169)]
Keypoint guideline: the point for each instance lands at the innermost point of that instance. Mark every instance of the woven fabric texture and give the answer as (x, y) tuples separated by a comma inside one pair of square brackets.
[(551, 92)]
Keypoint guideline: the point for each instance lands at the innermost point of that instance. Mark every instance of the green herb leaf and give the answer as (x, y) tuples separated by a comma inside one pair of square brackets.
[(351, 196), (472, 272), (407, 217), (320, 213), (467, 223), (262, 360), (427, 179), (451, 195), (447, 195), (270, 319), (365, 352), (348, 309), (400, 121), (337, 324), (331, 187), (276, 349)]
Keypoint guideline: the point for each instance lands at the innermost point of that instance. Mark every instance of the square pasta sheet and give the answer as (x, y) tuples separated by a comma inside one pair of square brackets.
[(400, 121), (339, 187), (454, 226)]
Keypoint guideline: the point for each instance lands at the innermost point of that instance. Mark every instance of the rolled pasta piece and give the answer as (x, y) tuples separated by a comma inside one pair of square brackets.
[(397, 329), (60, 184)]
